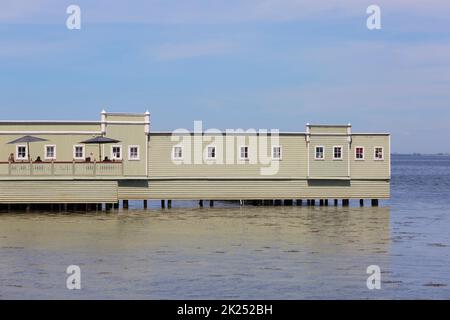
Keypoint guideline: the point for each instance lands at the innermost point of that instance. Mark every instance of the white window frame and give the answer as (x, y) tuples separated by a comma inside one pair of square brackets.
[(54, 152), (323, 153), (26, 152), (138, 153), (240, 153), (281, 152), (112, 152), (173, 152), (207, 152), (75, 153), (374, 153), (342, 153), (363, 153)]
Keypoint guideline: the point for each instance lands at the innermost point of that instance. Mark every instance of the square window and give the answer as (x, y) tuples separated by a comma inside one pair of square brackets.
[(177, 152), (133, 153), (78, 152), (276, 152), (50, 152), (211, 152), (337, 153), (21, 152), (116, 152), (320, 153), (379, 153), (244, 153), (359, 153)]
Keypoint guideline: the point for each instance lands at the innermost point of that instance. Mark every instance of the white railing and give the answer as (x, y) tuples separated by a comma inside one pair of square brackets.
[(73, 169)]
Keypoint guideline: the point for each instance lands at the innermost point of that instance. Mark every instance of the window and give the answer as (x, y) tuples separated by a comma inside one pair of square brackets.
[(378, 153), (21, 152), (50, 152), (276, 152), (177, 153), (78, 152), (359, 153), (337, 153), (320, 153), (116, 152), (133, 153), (211, 152), (244, 153)]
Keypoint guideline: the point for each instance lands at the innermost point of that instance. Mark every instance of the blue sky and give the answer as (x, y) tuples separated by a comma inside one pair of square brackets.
[(234, 64)]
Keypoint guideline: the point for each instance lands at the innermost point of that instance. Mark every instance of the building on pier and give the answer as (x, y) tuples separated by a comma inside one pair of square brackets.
[(323, 162)]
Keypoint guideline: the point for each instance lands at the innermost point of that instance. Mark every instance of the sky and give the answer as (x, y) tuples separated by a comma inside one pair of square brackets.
[(263, 64)]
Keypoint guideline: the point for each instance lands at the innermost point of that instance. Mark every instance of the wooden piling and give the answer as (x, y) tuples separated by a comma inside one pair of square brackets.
[(211, 203), (163, 204), (200, 203), (374, 202), (169, 204), (361, 202)]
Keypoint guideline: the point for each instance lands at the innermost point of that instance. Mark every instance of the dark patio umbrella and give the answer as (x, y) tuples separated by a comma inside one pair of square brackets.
[(27, 140), (100, 140)]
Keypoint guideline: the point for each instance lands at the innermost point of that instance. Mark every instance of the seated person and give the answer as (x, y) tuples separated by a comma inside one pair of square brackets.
[(38, 159), (11, 158), (106, 159)]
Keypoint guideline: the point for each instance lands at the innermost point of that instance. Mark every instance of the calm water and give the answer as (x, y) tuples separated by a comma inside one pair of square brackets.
[(250, 252)]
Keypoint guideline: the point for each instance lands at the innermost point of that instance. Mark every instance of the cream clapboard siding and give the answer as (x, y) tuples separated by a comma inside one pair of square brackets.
[(64, 146), (266, 189), (328, 129), (58, 191), (292, 164), (328, 167), (370, 168), (128, 135), (134, 189)]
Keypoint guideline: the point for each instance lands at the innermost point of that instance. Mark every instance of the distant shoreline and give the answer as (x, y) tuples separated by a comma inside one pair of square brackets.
[(421, 154)]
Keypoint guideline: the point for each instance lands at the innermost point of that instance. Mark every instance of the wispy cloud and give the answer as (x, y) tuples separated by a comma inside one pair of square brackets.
[(177, 51), (209, 11)]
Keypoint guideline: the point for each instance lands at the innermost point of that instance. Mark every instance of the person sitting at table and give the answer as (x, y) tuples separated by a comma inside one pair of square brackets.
[(38, 159), (11, 158), (106, 159)]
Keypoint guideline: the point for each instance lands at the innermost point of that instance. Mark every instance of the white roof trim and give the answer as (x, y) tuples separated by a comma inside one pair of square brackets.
[(50, 132)]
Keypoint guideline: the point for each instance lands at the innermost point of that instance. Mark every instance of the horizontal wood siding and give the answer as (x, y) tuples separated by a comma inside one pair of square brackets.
[(134, 190), (58, 191), (328, 167), (370, 168), (293, 163), (266, 189), (328, 129)]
